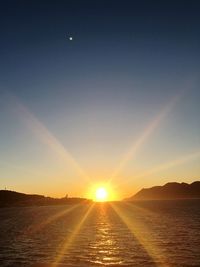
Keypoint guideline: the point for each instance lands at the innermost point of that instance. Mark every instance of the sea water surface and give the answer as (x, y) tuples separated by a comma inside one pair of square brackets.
[(150, 233)]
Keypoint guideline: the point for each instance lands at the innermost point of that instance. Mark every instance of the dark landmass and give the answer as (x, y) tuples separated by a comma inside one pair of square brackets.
[(12, 198), (169, 191)]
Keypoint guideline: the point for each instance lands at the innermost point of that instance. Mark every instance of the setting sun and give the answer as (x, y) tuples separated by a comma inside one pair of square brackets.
[(101, 194)]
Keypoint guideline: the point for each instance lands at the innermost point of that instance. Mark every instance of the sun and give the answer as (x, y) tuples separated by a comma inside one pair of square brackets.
[(101, 194)]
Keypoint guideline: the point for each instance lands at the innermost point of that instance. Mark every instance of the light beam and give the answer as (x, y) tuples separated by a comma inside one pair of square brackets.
[(71, 238), (142, 234)]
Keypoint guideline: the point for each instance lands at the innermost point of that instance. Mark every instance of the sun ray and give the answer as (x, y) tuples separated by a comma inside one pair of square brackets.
[(71, 238), (143, 210), (142, 234), (131, 153), (46, 137), (170, 164), (34, 229), (167, 165)]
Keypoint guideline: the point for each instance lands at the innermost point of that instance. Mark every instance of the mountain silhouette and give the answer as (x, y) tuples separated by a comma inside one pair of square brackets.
[(12, 198), (169, 191)]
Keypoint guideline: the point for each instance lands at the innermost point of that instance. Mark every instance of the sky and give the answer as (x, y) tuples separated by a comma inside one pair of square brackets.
[(117, 105)]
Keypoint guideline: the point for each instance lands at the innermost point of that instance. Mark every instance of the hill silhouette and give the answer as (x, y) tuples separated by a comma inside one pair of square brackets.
[(12, 198), (169, 191)]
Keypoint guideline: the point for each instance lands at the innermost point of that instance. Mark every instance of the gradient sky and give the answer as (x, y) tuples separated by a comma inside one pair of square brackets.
[(120, 102)]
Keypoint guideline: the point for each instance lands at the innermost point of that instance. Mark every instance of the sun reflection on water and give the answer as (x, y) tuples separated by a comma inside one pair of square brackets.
[(104, 245)]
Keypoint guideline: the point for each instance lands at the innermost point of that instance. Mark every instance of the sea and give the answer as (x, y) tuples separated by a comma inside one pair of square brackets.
[(138, 234)]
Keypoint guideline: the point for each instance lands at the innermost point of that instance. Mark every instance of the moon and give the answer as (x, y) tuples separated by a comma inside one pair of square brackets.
[(70, 38)]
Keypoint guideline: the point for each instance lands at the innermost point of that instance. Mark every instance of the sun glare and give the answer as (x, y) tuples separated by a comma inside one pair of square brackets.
[(101, 194)]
